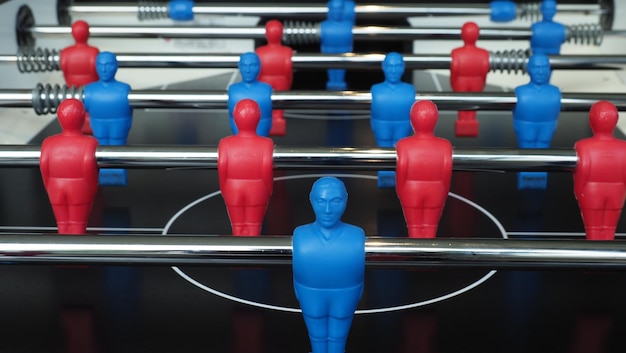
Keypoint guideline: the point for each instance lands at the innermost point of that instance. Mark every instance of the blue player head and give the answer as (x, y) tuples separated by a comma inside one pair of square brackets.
[(106, 66), (539, 69), (393, 67), (335, 10), (249, 67), (548, 9), (328, 198)]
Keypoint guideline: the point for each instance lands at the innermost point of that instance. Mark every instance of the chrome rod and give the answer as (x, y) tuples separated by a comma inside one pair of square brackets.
[(359, 32), (280, 10), (303, 158), (229, 250), (314, 100)]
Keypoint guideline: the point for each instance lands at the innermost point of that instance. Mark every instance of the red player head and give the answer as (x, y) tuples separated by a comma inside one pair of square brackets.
[(274, 32), (71, 115), (247, 115), (470, 33), (603, 118), (424, 115), (80, 32)]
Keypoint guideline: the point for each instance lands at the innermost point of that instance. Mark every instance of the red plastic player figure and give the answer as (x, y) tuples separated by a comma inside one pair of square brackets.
[(78, 62), (276, 69), (468, 72), (245, 168), (69, 170), (423, 172), (600, 175)]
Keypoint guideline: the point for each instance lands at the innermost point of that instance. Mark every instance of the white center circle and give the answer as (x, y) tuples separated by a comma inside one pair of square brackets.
[(365, 311)]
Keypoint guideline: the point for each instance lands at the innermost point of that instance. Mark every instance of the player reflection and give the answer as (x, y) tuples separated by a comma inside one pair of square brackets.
[(246, 171), (69, 170), (391, 104), (336, 38), (547, 35), (535, 115), (328, 268), (424, 170), (468, 72), (600, 174), (250, 87), (106, 100), (276, 69)]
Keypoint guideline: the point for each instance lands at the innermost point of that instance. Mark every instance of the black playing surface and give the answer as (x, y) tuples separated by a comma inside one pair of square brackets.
[(154, 309)]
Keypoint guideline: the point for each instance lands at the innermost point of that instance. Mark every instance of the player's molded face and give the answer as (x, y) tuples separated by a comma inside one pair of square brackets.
[(249, 67), (106, 66), (335, 10), (393, 67), (548, 9), (328, 199), (539, 69)]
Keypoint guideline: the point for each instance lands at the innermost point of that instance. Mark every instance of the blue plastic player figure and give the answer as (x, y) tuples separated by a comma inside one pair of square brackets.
[(503, 10), (391, 106), (328, 268), (106, 101), (547, 35), (535, 115), (180, 10), (251, 88), (336, 38)]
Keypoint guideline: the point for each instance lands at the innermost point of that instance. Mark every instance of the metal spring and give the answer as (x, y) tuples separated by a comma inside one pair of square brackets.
[(299, 32), (37, 59), (509, 60), (530, 11), (586, 34), (151, 10), (47, 98)]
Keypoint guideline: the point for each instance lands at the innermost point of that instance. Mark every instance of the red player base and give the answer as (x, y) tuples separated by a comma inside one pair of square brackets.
[(466, 128), (279, 127), (87, 126)]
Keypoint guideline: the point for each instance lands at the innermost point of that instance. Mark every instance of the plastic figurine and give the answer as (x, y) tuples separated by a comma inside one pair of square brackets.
[(535, 115), (468, 72), (106, 101), (69, 170), (502, 11), (251, 88), (349, 13), (245, 168), (424, 170), (547, 35), (276, 69), (391, 106), (180, 10), (336, 38), (600, 174), (328, 268)]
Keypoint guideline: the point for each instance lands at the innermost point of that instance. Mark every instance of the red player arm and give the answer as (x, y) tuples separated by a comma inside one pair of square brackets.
[(581, 173), (401, 166), (43, 164), (454, 65), (447, 171), (289, 69), (268, 168), (222, 162), (90, 173)]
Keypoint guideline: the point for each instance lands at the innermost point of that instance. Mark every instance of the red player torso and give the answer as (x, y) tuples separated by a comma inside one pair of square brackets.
[(600, 177), (78, 63), (469, 68), (276, 68)]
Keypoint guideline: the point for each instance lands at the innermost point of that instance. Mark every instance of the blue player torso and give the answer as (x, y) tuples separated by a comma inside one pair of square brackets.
[(537, 103), (337, 262), (261, 93), (392, 103), (336, 37), (107, 100), (547, 38)]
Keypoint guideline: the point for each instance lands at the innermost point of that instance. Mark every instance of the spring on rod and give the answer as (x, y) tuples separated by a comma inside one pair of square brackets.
[(509, 60), (151, 10), (589, 33), (530, 11), (47, 98), (37, 59), (300, 33)]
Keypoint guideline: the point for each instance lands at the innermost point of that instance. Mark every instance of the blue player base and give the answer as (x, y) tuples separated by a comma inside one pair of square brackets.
[(336, 86), (532, 180), (112, 177), (386, 179)]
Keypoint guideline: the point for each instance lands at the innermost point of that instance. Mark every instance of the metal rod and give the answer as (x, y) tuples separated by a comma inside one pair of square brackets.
[(359, 32), (314, 100), (280, 10), (307, 158), (229, 250)]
